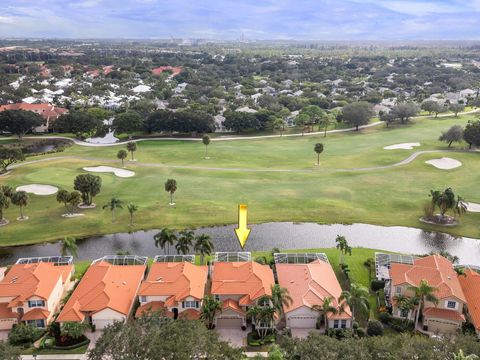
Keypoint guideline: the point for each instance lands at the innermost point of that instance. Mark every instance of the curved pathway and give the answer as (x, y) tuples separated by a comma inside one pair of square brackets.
[(406, 161), (231, 138)]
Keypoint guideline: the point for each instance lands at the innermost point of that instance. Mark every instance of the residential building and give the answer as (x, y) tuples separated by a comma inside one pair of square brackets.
[(174, 288), (239, 285), (470, 283), (50, 113), (106, 292), (309, 284), (31, 291), (444, 317)]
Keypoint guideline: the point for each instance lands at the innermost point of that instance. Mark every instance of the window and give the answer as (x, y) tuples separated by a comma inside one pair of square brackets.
[(451, 304), (398, 289), (36, 303), (143, 299), (335, 324), (37, 323), (217, 297), (343, 324), (191, 304)]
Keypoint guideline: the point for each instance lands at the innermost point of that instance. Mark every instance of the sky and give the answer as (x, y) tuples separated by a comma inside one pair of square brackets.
[(255, 19)]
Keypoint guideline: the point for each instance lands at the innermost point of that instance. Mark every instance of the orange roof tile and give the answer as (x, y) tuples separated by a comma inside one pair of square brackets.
[(47, 111), (471, 288), (309, 284), (36, 314), (177, 280), (175, 70), (37, 279), (232, 305), (6, 312), (104, 286), (189, 314), (435, 269), (153, 306), (443, 314), (248, 279)]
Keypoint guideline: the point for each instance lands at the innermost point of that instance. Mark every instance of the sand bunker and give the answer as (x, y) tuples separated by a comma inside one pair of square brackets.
[(473, 207), (444, 163), (108, 169), (38, 189), (404, 146)]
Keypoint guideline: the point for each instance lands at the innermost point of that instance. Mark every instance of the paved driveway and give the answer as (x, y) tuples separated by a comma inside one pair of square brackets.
[(236, 337), (302, 333), (93, 336)]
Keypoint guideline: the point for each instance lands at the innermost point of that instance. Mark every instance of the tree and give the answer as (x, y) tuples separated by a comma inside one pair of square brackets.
[(113, 204), (8, 352), (206, 141), (262, 317), (356, 299), (8, 157), (314, 113), (171, 187), (89, 186), (423, 292), (203, 246), (122, 155), (4, 204), (210, 308), (132, 147), (278, 124), (63, 197), (342, 245), (82, 124), (374, 328), (471, 134), (240, 121), (318, 149), (165, 238), (429, 105), (73, 330), (456, 108), (358, 113), (404, 111), (405, 303), (454, 134), (69, 246), (185, 241), (280, 298), (326, 308), (74, 199), (20, 199), (301, 120), (326, 120), (445, 200), (19, 122), (127, 122), (132, 209)]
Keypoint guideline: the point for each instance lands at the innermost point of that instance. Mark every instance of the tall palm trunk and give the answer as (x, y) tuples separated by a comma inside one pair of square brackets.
[(113, 215), (417, 315), (318, 159), (132, 155), (171, 198), (21, 212), (206, 151)]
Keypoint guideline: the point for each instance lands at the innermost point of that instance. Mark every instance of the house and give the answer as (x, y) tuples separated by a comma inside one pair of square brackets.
[(32, 289), (309, 284), (50, 113), (445, 317), (239, 285), (470, 283), (106, 292), (175, 288)]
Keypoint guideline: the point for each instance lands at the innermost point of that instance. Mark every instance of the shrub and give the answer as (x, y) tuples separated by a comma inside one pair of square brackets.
[(355, 325), (24, 334), (360, 332), (377, 285), (401, 325), (385, 317), (374, 328)]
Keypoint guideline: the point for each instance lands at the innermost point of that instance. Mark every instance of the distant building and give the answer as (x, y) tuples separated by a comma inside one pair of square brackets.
[(50, 113)]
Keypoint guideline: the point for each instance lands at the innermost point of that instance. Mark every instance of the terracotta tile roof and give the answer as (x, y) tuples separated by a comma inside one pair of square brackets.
[(248, 279), (6, 312), (435, 269), (36, 314), (47, 111), (189, 314), (26, 280), (232, 305), (443, 314), (153, 306), (104, 286), (174, 69), (309, 284), (471, 288), (177, 280)]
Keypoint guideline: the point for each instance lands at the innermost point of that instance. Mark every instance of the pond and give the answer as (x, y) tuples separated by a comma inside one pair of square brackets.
[(283, 235)]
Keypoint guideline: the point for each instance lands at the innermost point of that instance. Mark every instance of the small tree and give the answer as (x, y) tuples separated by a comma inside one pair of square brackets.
[(73, 330), (278, 124), (203, 246), (471, 134), (122, 155), (171, 187), (21, 199), (374, 328), (358, 113), (318, 149), (89, 186), (454, 134), (63, 197), (9, 157), (74, 199), (456, 108), (4, 204), (132, 147), (113, 204), (342, 245), (132, 209), (210, 308), (206, 141)]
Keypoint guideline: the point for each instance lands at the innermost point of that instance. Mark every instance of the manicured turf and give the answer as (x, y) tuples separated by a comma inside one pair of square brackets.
[(207, 197)]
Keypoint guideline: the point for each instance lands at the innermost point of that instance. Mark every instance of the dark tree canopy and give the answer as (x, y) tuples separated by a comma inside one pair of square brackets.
[(8, 157), (471, 134), (240, 121), (19, 122), (454, 134), (89, 186), (358, 113), (8, 352), (127, 122), (184, 121), (404, 111), (78, 123)]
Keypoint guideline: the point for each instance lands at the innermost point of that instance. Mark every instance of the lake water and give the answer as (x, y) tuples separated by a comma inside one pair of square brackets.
[(283, 235)]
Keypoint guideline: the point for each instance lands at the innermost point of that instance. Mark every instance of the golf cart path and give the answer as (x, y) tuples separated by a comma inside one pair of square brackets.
[(406, 161), (232, 138)]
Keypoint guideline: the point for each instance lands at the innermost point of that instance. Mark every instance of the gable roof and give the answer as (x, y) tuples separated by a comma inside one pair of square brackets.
[(177, 280), (435, 269), (104, 286), (309, 284), (47, 111), (250, 279), (24, 281), (471, 288)]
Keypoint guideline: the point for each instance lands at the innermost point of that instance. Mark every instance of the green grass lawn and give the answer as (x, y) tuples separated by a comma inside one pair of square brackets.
[(31, 351), (327, 194)]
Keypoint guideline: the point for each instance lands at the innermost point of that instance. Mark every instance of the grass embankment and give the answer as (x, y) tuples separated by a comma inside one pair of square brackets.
[(330, 193)]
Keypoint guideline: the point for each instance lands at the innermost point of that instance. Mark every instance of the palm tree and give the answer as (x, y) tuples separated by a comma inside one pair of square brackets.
[(122, 155), (171, 187), (326, 308), (343, 246), (7, 190), (69, 246), (280, 298), (263, 318), (405, 303), (4, 204), (318, 149), (206, 141), (203, 246), (132, 147), (210, 308), (424, 292), (185, 241), (113, 204), (356, 299), (20, 199), (132, 208), (165, 238)]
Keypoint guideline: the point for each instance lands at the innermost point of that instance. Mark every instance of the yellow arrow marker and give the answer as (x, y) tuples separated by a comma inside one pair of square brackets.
[(242, 231)]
